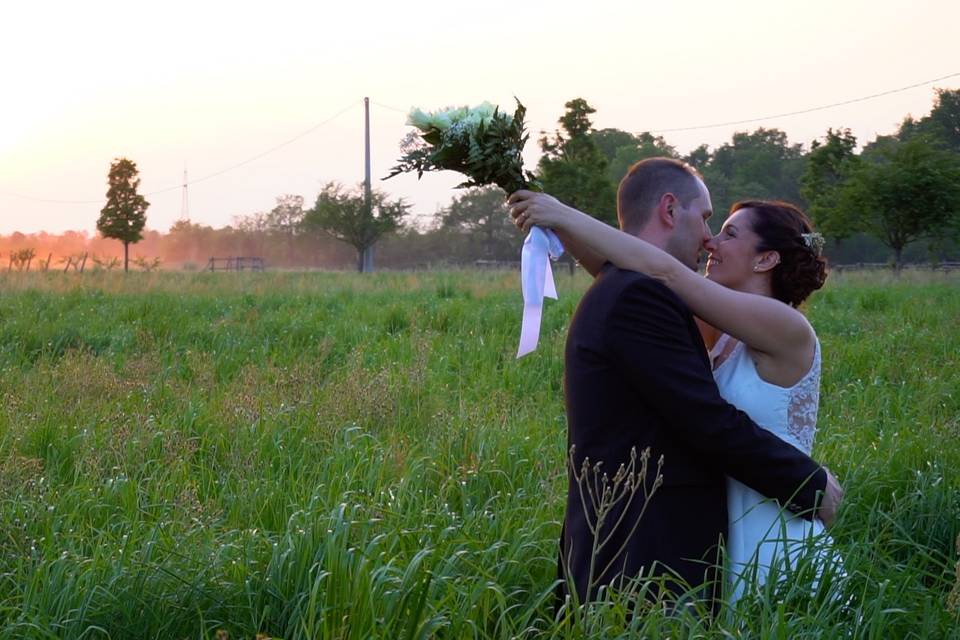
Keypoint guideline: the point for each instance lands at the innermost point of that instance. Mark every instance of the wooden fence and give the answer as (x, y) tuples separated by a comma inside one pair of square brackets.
[(235, 263)]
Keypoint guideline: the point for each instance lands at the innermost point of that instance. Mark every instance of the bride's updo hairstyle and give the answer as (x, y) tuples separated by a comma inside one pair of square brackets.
[(784, 228)]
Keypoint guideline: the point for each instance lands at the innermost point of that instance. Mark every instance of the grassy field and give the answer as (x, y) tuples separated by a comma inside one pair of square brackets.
[(336, 456)]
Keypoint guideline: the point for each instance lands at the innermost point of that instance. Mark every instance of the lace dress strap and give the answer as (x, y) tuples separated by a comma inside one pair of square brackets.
[(804, 401)]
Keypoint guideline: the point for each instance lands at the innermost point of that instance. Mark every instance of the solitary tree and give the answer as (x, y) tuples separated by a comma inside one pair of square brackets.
[(345, 215), (125, 215), (911, 190)]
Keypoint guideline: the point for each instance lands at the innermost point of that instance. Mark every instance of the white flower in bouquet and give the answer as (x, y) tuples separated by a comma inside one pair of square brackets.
[(481, 114), (479, 142), (420, 119)]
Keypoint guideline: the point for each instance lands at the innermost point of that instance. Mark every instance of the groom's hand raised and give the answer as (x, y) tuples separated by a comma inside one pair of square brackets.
[(830, 502)]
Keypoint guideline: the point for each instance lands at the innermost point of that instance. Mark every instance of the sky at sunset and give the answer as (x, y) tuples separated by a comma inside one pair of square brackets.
[(208, 86)]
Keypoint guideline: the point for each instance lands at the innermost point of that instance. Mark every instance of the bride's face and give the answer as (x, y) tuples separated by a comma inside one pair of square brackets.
[(733, 251)]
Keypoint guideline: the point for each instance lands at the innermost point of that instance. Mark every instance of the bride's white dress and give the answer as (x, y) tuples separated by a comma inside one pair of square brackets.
[(762, 537)]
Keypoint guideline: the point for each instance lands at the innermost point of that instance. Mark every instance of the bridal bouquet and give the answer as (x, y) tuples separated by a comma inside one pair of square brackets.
[(482, 143)]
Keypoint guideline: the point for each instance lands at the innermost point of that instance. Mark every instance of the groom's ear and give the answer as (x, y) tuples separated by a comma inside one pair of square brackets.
[(667, 210)]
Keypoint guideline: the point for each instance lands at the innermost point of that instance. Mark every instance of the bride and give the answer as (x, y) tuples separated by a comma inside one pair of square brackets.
[(766, 357)]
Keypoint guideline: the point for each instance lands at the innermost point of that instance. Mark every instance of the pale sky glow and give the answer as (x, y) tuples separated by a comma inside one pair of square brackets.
[(206, 85)]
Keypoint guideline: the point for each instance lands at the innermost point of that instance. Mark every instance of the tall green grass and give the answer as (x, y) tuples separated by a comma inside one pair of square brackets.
[(337, 456)]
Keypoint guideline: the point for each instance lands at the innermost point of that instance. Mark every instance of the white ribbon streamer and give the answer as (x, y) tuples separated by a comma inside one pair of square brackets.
[(536, 278)]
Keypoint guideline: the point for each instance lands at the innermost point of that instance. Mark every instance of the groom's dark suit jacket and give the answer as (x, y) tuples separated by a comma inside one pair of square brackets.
[(637, 375)]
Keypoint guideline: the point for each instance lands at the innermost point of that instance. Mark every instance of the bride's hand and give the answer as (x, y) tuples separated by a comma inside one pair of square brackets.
[(528, 208), (832, 497)]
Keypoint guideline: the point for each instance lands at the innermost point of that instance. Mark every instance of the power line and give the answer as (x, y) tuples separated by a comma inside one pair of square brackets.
[(267, 152), (389, 108), (771, 117), (809, 110), (208, 176)]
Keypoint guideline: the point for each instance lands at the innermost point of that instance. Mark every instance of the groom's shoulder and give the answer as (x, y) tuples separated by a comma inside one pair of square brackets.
[(616, 282)]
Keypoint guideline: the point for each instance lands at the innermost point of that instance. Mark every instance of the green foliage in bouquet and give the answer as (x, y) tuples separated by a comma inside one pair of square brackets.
[(482, 143)]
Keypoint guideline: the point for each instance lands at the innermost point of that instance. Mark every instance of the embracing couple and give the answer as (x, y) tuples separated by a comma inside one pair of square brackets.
[(734, 425)]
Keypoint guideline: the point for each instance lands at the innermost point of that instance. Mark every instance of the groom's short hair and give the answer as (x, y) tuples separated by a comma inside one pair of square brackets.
[(646, 182)]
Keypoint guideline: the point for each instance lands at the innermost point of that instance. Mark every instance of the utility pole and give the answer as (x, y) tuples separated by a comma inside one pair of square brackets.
[(366, 262), (185, 201)]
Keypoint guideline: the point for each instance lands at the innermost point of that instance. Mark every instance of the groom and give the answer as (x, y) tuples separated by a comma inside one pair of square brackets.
[(637, 376)]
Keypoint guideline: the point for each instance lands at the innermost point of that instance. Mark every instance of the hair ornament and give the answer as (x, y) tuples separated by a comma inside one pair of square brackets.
[(814, 241)]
